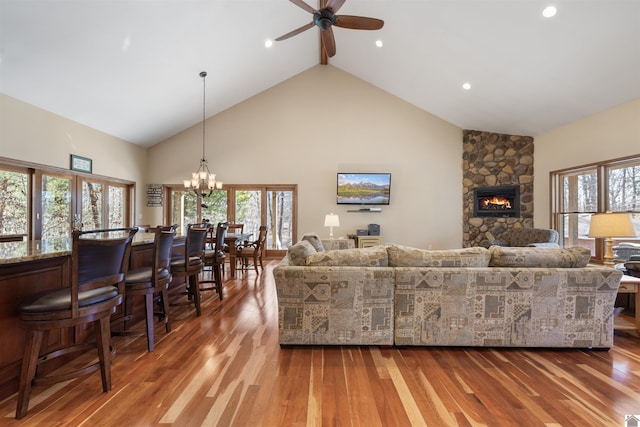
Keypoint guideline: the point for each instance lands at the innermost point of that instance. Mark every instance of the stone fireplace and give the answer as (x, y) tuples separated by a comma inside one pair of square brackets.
[(496, 167)]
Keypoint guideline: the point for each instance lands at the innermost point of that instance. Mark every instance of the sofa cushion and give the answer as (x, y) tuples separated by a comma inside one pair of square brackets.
[(331, 244), (314, 239), (404, 256), (375, 256), (573, 257), (298, 253)]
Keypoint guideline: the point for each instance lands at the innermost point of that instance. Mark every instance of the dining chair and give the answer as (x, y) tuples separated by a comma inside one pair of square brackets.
[(252, 250), (214, 259), (151, 282), (190, 264), (91, 293), (235, 228)]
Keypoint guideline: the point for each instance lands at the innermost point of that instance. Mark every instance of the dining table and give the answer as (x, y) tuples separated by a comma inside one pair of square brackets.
[(232, 240)]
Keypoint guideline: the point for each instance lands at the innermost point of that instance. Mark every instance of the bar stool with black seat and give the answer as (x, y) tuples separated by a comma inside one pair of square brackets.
[(151, 281), (190, 264), (252, 250), (99, 261), (214, 259)]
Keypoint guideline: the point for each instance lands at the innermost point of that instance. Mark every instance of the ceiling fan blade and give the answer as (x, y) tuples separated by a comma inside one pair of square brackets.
[(303, 5), (358, 22), (334, 5), (296, 31), (328, 41)]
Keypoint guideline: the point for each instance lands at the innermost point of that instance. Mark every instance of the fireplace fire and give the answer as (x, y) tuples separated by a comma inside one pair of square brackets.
[(497, 201)]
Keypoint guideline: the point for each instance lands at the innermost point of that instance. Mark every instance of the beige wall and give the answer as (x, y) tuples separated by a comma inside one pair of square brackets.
[(307, 129), (34, 135), (325, 121), (607, 135)]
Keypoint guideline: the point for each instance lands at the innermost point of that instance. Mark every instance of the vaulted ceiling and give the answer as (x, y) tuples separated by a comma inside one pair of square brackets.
[(130, 68)]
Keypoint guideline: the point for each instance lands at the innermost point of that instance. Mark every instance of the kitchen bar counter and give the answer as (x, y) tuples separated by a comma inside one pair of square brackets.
[(26, 251), (30, 267)]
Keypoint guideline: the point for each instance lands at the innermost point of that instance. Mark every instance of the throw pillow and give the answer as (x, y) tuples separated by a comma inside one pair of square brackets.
[(314, 239), (573, 257), (360, 257), (298, 253), (404, 256)]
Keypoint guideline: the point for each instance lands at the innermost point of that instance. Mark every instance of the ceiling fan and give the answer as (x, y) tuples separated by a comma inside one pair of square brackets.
[(325, 18)]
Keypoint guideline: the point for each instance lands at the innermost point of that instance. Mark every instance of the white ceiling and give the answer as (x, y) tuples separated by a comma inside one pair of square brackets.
[(130, 68)]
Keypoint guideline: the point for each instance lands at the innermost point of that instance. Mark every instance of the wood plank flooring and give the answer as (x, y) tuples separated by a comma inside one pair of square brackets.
[(226, 368)]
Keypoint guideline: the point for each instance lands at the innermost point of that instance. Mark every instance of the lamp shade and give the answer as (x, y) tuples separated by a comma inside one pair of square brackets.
[(611, 225), (331, 220)]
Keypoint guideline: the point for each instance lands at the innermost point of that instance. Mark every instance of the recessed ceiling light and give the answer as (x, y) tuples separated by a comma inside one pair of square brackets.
[(268, 43), (549, 11), (379, 43), (126, 43), (466, 86)]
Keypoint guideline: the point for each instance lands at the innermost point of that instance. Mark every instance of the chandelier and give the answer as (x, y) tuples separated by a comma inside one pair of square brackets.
[(203, 182)]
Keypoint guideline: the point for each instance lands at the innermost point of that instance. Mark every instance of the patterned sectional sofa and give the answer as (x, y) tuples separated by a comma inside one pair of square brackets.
[(396, 295)]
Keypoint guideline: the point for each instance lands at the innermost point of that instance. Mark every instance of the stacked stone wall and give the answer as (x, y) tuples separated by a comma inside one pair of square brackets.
[(492, 159)]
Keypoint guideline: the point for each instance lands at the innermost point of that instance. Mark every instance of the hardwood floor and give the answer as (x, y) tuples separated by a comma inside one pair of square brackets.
[(227, 369)]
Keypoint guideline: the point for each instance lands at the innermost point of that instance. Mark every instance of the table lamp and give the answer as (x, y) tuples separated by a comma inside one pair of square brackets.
[(609, 225), (331, 220)]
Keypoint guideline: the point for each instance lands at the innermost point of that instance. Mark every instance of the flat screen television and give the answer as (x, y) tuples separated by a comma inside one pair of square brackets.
[(364, 188)]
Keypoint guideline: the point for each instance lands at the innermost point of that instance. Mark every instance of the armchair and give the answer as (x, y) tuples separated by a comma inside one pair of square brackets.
[(538, 237)]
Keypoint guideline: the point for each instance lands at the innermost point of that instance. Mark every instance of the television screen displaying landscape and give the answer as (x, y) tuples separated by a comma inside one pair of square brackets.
[(364, 188)]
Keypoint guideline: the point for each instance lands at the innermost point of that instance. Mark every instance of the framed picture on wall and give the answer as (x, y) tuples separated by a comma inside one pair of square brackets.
[(81, 164)]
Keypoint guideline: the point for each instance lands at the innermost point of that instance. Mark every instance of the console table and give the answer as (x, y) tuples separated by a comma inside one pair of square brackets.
[(629, 285)]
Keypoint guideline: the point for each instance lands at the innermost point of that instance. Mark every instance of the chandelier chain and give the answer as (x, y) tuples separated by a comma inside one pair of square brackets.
[(203, 182), (203, 74)]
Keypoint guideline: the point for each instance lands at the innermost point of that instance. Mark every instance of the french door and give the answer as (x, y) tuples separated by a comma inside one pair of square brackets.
[(251, 205), (273, 206)]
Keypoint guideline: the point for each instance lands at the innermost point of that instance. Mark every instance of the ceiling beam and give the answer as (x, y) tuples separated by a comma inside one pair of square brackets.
[(324, 59)]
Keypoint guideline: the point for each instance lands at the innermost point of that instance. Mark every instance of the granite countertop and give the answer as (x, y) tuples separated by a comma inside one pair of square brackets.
[(33, 250)]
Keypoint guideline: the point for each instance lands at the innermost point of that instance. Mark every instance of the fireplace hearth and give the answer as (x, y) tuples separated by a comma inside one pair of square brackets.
[(501, 202)]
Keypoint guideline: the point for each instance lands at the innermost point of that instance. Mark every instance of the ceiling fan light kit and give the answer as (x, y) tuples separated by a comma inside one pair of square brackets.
[(326, 17)]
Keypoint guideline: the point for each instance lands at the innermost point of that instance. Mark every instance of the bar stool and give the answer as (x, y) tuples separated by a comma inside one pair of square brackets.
[(150, 281), (190, 264), (99, 261), (214, 258)]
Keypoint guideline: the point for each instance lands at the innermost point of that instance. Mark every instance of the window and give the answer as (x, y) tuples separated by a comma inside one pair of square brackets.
[(185, 207), (41, 202), (580, 192), (14, 202), (56, 206), (104, 204), (280, 219)]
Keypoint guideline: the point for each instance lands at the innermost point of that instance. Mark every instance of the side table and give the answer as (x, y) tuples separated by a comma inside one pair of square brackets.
[(629, 285)]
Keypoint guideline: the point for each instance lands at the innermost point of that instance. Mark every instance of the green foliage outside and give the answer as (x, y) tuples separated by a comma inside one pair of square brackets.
[(56, 207), (14, 193)]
